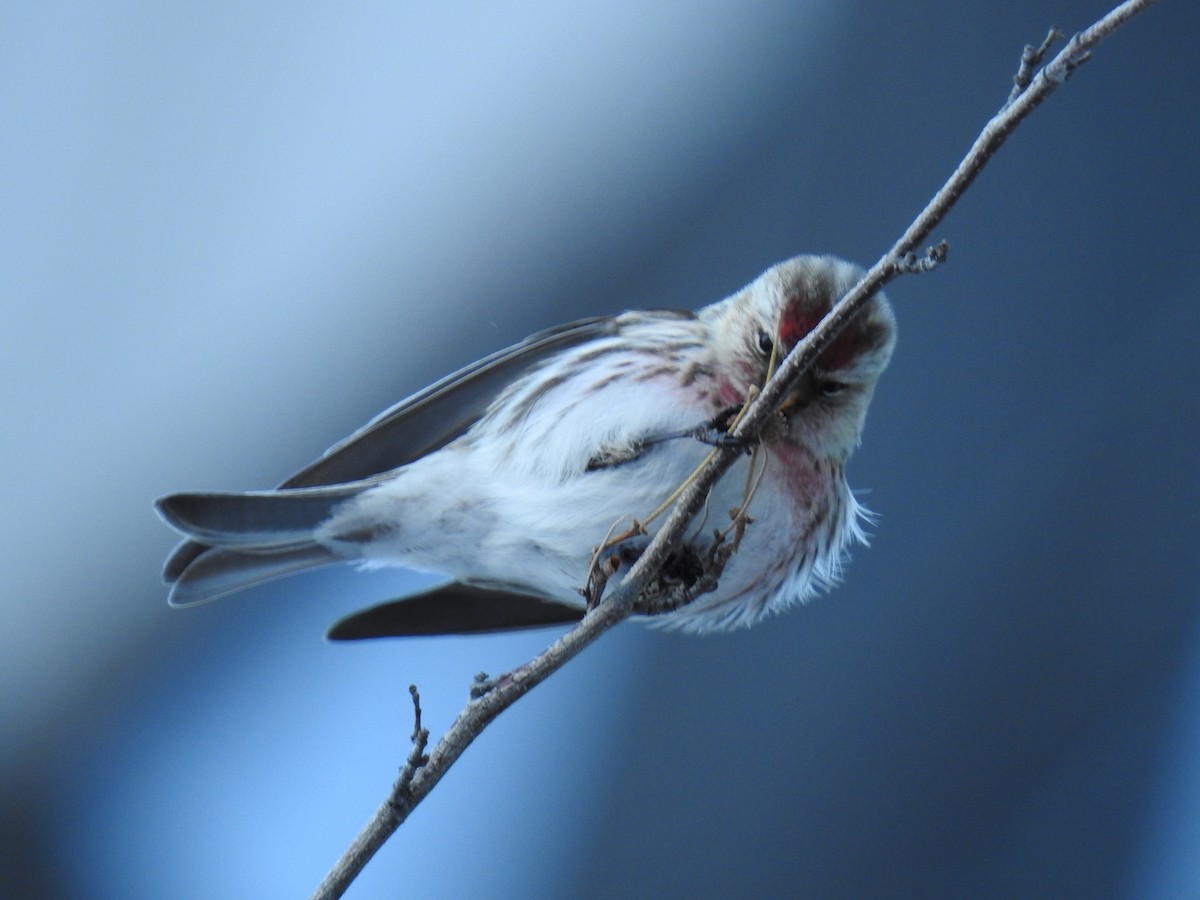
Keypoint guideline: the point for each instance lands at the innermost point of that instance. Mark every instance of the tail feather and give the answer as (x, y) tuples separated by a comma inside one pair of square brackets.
[(253, 519), (181, 557), (236, 541), (219, 571)]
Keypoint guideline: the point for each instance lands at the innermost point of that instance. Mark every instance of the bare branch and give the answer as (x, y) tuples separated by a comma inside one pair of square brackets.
[(645, 589), (488, 700)]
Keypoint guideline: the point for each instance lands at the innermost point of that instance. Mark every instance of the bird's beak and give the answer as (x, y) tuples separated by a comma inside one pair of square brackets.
[(801, 393)]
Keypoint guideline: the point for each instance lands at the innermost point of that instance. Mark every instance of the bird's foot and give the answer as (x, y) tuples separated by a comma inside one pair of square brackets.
[(715, 432)]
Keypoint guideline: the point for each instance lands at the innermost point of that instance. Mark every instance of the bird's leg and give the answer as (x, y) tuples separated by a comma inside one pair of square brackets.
[(714, 432)]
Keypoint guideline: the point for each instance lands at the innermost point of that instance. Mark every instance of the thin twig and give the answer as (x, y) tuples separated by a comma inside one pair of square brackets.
[(643, 586), (1030, 60)]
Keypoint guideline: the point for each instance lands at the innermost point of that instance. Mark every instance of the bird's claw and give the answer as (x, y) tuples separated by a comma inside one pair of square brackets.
[(715, 432), (714, 437)]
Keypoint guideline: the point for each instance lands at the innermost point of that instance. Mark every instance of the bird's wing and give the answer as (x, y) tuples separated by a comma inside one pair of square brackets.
[(424, 422), (434, 417), (455, 608)]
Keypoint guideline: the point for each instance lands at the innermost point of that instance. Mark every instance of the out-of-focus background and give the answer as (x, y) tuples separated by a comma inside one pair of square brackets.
[(232, 234)]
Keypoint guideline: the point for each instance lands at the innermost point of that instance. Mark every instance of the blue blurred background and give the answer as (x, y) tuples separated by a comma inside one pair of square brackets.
[(233, 233)]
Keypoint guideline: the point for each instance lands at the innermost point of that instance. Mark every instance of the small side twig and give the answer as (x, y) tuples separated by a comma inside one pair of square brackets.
[(911, 264), (391, 813), (420, 740), (644, 587), (1030, 60)]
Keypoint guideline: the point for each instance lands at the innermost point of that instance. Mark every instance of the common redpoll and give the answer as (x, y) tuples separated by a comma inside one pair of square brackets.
[(509, 474)]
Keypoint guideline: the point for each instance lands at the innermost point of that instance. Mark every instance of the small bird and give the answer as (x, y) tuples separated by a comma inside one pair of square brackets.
[(509, 475)]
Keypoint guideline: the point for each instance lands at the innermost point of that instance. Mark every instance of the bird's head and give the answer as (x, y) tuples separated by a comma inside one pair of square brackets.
[(759, 325)]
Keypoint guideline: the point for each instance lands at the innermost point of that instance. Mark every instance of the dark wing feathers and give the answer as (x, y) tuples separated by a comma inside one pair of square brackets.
[(432, 418), (454, 608)]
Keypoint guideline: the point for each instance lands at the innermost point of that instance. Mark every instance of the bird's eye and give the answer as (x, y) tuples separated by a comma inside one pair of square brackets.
[(765, 343), (831, 388)]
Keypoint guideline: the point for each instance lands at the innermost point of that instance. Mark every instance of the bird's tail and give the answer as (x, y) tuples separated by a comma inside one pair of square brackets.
[(238, 540)]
